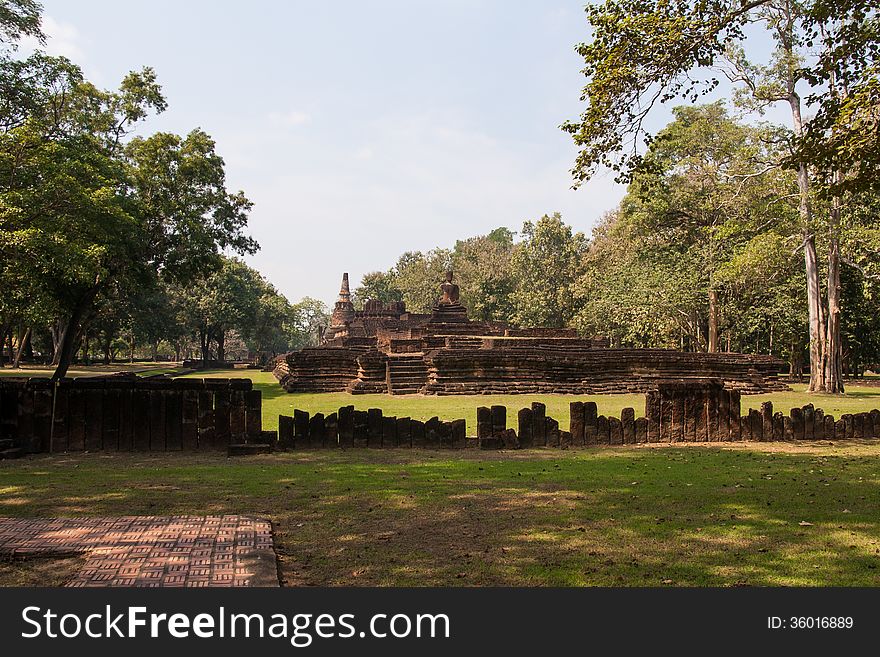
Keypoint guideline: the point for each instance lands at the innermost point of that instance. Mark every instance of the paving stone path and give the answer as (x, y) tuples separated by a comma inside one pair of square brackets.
[(152, 551)]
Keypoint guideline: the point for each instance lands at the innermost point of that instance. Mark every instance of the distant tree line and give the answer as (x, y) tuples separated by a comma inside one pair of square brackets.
[(703, 254), (112, 243), (822, 71)]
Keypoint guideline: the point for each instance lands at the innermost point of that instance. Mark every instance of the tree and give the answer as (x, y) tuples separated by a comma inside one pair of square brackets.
[(703, 188), (545, 265), (645, 53), (483, 270), (19, 18), (83, 209), (377, 285), (418, 275), (308, 317)]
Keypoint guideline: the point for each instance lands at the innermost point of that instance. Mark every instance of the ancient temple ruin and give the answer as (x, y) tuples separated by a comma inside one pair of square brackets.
[(386, 349)]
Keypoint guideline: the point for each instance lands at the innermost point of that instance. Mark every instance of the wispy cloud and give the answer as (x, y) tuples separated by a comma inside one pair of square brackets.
[(62, 40), (292, 118)]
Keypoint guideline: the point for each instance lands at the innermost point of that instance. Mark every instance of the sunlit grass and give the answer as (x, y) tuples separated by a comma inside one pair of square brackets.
[(799, 515)]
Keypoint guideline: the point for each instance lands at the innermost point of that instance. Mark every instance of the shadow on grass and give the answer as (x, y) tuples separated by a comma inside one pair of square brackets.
[(671, 516)]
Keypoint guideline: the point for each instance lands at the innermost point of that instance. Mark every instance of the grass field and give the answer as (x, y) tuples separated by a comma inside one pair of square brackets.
[(760, 514), (736, 514)]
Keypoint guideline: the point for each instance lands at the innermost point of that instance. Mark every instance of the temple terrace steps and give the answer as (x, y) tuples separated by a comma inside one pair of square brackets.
[(406, 374)]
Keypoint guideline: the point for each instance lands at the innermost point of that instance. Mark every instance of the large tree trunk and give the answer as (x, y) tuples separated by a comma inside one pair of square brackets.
[(23, 340), (816, 323), (69, 334), (108, 341), (814, 296), (221, 346), (833, 361), (203, 343), (713, 322)]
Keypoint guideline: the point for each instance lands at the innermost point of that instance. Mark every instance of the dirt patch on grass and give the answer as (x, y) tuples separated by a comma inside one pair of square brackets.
[(40, 572)]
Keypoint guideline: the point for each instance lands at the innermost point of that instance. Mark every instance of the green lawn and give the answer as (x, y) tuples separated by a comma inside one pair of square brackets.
[(760, 514), (276, 401)]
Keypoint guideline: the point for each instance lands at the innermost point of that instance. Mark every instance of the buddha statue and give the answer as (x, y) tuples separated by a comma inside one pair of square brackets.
[(448, 307), (450, 292)]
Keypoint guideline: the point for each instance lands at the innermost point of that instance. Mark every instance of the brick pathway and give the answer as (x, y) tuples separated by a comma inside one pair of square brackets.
[(151, 550)]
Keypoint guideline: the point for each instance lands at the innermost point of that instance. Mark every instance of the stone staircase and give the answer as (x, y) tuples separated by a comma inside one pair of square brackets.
[(406, 374), (463, 342)]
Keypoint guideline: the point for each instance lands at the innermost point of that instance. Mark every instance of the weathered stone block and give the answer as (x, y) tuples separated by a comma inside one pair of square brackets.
[(875, 423), (690, 427), (432, 433), (189, 430), (509, 439), (767, 420), (389, 432), (809, 422), (552, 432), (459, 434), (499, 419), (524, 422), (173, 420), (331, 431), (361, 431), (564, 439), (777, 431), (222, 401), (206, 419), (286, 432), (615, 429), (492, 443), (724, 416), (797, 423), (301, 428), (603, 436), (417, 432), (254, 410), (628, 425), (734, 413), (830, 428), (576, 423), (591, 412), (374, 427), (346, 426), (859, 426), (94, 416), (484, 422), (819, 424), (652, 415), (539, 425), (237, 416), (157, 420), (404, 432), (317, 431), (677, 427), (756, 425), (641, 425)]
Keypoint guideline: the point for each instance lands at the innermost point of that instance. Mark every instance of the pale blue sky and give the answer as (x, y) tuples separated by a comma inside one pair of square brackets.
[(360, 129)]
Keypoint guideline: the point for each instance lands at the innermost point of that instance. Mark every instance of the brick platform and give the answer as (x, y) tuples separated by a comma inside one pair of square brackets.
[(152, 551)]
